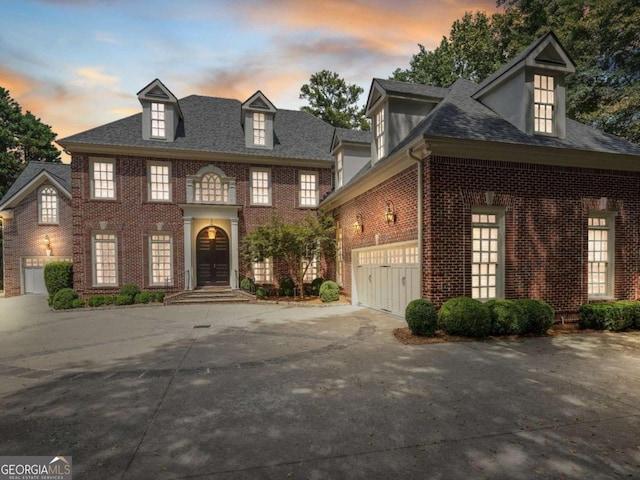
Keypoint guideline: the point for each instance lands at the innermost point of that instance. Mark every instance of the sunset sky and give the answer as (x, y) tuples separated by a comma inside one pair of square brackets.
[(77, 64)]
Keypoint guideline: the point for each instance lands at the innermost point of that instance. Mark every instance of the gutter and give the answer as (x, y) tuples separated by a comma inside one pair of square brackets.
[(425, 153)]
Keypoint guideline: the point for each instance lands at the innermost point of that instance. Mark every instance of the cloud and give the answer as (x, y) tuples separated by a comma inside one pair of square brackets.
[(106, 37), (90, 77)]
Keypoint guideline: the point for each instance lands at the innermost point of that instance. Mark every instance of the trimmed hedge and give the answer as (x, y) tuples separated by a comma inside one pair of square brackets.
[(95, 301), (506, 317), (123, 300), (64, 298), (58, 275), (465, 316), (247, 284), (538, 316), (421, 317), (144, 297), (131, 290), (329, 292), (287, 287), (614, 316)]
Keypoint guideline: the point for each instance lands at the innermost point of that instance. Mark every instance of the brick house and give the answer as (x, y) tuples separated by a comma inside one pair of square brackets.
[(163, 198), (488, 191), (36, 216)]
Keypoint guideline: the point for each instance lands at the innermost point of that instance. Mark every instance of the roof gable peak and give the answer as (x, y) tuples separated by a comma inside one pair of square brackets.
[(259, 102)]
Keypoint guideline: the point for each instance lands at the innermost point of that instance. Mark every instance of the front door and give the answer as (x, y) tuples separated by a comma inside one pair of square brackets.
[(213, 258)]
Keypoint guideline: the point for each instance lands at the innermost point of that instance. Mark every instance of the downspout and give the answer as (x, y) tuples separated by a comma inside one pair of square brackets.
[(424, 149)]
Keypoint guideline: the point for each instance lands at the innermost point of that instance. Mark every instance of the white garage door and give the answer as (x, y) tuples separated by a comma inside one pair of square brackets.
[(386, 278), (33, 273)]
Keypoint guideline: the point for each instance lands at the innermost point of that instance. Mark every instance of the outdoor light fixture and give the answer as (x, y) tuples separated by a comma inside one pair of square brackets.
[(390, 214), (47, 245), (211, 233), (357, 227)]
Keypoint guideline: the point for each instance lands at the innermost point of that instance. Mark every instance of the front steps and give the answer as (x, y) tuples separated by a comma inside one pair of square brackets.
[(212, 295)]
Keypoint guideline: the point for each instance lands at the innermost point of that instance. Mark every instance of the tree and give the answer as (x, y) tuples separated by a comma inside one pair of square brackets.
[(292, 243), (602, 37), (23, 137), (333, 100)]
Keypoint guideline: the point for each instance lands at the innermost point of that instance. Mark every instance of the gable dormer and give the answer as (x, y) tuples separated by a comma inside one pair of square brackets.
[(258, 114), (161, 112), (529, 91), (396, 108), (352, 151)]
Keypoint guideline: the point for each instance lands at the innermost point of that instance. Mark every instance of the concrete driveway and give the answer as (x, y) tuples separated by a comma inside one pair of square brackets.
[(274, 391)]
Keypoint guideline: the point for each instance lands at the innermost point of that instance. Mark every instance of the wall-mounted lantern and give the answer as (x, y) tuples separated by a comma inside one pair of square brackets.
[(47, 245), (390, 214), (358, 226)]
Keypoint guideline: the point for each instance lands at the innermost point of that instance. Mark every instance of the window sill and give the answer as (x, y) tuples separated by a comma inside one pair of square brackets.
[(260, 205)]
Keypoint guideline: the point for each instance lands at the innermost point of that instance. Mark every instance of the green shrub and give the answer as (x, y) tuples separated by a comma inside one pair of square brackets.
[(123, 300), (64, 298), (506, 317), (58, 275), (613, 316), (314, 288), (95, 301), (109, 299), (465, 316), (538, 316), (633, 308), (160, 297), (329, 292), (131, 290), (247, 284), (287, 287), (421, 317), (77, 303), (143, 297), (261, 293)]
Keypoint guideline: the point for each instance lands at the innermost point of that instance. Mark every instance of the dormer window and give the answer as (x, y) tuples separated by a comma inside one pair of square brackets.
[(259, 129), (339, 169), (157, 120), (544, 103), (380, 134)]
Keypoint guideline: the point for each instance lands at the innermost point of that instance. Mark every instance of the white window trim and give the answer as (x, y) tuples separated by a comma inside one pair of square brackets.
[(163, 120), (151, 163), (56, 221), (171, 273), (93, 258), (553, 105), (256, 129), (380, 132), (611, 253), (339, 169), (92, 162), (339, 254), (269, 193), (500, 223), (266, 266), (316, 189)]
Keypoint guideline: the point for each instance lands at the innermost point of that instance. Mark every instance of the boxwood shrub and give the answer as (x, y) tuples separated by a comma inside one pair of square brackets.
[(121, 299), (63, 299), (261, 293), (287, 287), (421, 317), (613, 316), (130, 290), (246, 284), (633, 310), (506, 317), (538, 316), (329, 291), (314, 288), (58, 275), (465, 316), (143, 297), (95, 301)]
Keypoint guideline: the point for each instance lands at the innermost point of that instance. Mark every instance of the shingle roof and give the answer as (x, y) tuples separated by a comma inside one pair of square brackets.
[(213, 124), (61, 172), (460, 116), (411, 89), (355, 136)]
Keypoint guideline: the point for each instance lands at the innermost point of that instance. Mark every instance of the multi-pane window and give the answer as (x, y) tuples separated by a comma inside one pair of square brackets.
[(260, 187), (485, 256), (103, 179), (311, 272), (160, 259), (259, 129), (339, 253), (308, 189), (48, 205), (211, 189), (157, 120), (263, 271), (339, 173), (159, 182), (600, 245), (105, 270), (380, 133), (543, 103)]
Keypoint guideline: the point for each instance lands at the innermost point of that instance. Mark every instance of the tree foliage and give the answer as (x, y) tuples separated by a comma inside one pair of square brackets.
[(602, 36), (314, 236), (333, 100), (23, 137)]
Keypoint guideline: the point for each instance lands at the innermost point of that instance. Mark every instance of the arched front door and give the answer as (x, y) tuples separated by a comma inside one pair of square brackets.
[(213, 258)]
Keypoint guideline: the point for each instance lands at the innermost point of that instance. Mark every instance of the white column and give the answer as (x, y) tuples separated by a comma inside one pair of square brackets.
[(188, 260), (235, 265)]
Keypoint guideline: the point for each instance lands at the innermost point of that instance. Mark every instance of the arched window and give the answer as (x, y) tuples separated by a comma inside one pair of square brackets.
[(48, 205), (211, 189)]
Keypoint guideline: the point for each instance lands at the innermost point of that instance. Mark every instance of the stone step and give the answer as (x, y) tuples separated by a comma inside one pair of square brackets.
[(210, 295)]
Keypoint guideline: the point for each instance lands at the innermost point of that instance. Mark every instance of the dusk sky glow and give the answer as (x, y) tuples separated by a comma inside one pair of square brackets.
[(77, 64)]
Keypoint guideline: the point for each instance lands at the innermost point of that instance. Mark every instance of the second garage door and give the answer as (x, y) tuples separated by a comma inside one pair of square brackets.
[(386, 278)]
